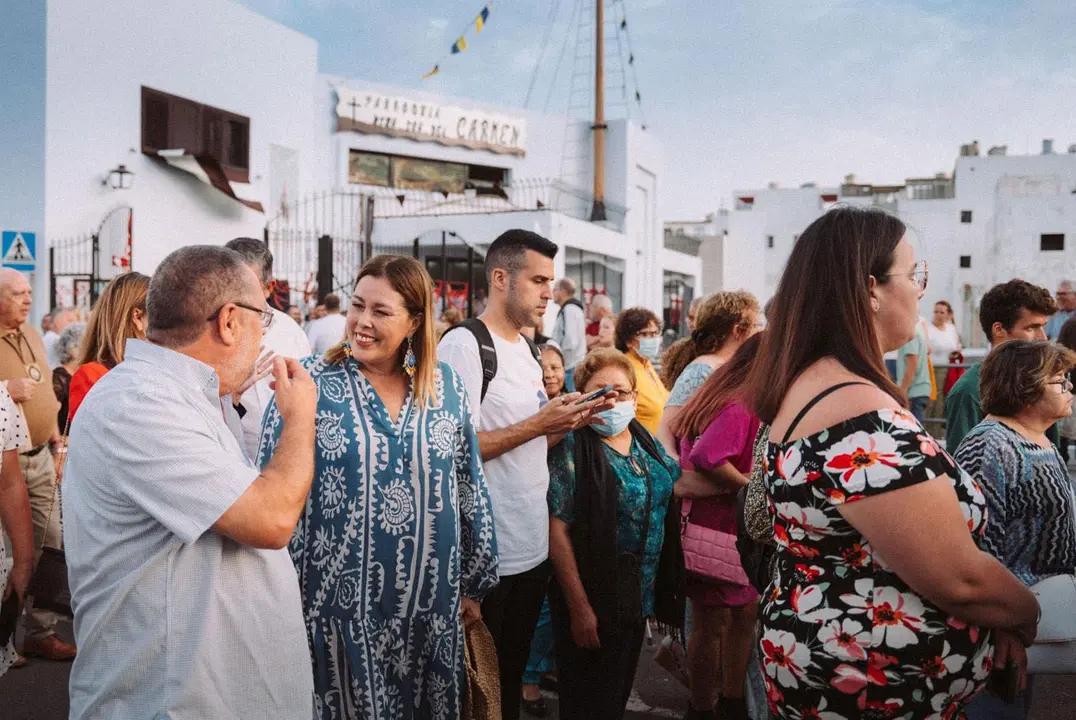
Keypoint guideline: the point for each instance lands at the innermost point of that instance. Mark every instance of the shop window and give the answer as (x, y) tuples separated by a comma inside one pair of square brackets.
[(595, 274), (170, 122), (410, 173)]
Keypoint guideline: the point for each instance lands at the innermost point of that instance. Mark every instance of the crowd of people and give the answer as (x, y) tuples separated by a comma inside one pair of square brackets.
[(265, 519)]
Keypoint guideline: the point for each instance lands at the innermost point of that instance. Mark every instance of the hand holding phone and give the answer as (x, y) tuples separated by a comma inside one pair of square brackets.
[(595, 395)]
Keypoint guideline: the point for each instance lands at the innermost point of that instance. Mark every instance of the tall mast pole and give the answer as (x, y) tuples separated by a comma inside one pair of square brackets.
[(597, 213)]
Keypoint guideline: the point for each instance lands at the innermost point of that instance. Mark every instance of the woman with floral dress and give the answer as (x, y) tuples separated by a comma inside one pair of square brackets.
[(882, 603), (14, 517), (396, 546)]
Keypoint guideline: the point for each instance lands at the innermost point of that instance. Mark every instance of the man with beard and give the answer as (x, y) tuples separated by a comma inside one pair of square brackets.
[(186, 603), (514, 418)]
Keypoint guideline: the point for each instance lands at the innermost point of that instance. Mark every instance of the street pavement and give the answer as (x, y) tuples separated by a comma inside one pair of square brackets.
[(39, 692)]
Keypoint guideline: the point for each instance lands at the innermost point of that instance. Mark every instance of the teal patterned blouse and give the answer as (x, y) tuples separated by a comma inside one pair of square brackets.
[(631, 500)]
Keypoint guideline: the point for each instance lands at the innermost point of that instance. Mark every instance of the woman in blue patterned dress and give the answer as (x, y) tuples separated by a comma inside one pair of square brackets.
[(882, 603), (397, 539), (1024, 389)]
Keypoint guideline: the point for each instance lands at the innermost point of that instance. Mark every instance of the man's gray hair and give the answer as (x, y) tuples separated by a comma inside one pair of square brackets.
[(566, 285), (190, 285), (67, 344), (601, 301), (256, 253), (1065, 285)]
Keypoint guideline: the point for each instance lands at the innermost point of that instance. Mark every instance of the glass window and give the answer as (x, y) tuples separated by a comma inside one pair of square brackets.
[(595, 274), (368, 169), (416, 174), (678, 292)]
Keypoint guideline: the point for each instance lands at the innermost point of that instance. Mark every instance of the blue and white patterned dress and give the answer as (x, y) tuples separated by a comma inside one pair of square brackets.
[(397, 525)]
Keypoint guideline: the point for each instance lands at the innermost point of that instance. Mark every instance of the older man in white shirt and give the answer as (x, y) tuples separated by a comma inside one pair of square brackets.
[(284, 338)]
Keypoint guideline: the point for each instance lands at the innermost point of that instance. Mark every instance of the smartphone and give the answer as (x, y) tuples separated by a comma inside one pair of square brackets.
[(596, 394), (1005, 682)]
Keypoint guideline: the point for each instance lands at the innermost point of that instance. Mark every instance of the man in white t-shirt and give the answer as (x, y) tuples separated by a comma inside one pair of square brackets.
[(513, 421), (327, 330), (284, 338)]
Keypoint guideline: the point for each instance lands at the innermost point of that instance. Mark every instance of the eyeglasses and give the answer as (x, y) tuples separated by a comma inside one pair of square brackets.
[(266, 313), (918, 275), (1066, 385)]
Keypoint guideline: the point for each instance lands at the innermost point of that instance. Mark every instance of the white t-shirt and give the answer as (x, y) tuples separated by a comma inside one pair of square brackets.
[(326, 332), (286, 339), (942, 342), (519, 479)]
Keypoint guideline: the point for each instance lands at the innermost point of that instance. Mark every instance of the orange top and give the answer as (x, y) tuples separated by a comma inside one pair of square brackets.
[(81, 382)]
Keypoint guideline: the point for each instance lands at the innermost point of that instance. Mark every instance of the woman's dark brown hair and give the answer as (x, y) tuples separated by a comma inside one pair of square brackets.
[(630, 323), (723, 386), (822, 307), (1015, 374)]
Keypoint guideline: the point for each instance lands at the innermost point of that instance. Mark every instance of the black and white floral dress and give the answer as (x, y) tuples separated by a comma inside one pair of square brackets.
[(13, 435), (842, 636)]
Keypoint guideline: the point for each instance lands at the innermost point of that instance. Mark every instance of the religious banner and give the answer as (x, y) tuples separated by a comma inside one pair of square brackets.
[(378, 114)]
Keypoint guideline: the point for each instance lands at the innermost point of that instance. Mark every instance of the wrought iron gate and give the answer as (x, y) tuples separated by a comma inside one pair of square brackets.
[(76, 272)]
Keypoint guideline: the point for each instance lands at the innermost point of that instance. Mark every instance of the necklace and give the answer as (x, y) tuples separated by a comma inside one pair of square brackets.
[(33, 370)]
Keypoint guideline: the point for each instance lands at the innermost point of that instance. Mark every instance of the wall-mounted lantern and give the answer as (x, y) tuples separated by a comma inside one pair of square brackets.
[(119, 178)]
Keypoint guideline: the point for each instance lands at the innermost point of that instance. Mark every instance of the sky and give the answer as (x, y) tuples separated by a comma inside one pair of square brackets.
[(741, 93)]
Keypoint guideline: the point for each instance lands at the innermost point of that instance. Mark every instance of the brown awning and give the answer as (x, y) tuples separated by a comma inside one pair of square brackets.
[(208, 169)]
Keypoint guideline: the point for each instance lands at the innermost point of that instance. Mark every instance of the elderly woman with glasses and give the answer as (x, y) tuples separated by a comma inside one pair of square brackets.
[(1031, 528), (638, 335)]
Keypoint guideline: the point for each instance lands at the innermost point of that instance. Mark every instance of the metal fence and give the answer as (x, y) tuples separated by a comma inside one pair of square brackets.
[(77, 273)]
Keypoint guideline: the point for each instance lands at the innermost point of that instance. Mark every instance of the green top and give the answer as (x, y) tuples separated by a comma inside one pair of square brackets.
[(917, 346), (963, 412)]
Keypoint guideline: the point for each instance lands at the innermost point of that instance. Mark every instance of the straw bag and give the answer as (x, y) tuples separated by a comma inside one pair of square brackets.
[(482, 701)]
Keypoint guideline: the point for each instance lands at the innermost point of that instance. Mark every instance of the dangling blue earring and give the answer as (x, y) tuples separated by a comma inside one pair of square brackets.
[(409, 359)]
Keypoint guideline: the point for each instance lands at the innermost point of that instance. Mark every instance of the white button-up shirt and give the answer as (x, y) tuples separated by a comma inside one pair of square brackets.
[(172, 619)]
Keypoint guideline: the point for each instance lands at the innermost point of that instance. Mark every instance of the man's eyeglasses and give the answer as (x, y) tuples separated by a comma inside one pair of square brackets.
[(266, 313), (1066, 384), (918, 275)]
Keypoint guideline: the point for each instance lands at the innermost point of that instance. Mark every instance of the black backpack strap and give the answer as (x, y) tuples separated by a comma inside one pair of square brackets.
[(534, 350), (487, 352), (814, 401)]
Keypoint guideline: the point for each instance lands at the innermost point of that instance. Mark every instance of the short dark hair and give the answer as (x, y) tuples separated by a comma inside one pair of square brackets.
[(189, 286), (510, 247), (630, 323), (1003, 303), (331, 301), (1015, 373), (1067, 334), (254, 252)]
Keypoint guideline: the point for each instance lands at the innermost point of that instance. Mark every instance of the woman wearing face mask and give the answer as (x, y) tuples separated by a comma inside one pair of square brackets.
[(716, 433), (638, 335), (609, 489)]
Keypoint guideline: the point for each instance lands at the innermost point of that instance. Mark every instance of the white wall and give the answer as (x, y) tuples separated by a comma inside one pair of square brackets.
[(100, 53)]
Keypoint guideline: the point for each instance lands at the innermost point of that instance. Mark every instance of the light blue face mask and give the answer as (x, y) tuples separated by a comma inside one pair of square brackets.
[(615, 419), (650, 347)]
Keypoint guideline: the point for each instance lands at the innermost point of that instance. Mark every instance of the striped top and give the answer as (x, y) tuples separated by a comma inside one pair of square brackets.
[(1031, 523)]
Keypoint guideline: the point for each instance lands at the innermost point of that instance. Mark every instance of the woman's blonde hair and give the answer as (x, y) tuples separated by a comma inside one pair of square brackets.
[(409, 278), (111, 323), (719, 316), (601, 358)]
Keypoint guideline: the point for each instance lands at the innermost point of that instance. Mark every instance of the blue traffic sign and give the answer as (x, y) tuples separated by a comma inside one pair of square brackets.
[(18, 250)]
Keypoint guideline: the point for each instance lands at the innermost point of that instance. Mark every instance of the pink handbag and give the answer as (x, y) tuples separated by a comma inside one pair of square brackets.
[(710, 541)]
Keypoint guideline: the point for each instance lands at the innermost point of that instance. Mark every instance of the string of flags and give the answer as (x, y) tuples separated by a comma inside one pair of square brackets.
[(460, 45), (631, 60)]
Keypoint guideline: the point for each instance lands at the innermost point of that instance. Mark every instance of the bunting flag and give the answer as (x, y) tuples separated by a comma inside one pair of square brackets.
[(460, 45)]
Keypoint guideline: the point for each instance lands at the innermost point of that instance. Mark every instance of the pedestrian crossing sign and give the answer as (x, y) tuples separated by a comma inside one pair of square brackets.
[(18, 250)]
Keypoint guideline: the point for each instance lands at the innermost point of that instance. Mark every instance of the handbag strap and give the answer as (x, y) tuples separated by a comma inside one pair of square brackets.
[(814, 401)]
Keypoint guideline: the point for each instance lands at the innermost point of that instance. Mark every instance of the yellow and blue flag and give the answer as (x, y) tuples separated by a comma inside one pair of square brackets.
[(459, 46), (480, 21)]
